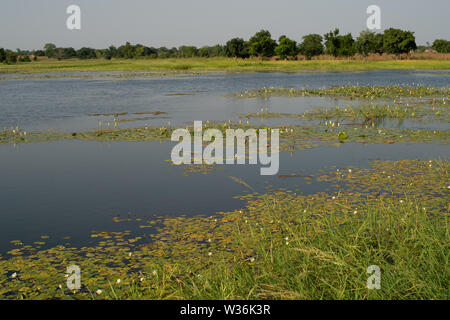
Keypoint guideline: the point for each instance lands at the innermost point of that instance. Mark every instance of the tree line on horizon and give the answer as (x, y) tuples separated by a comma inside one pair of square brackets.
[(391, 41)]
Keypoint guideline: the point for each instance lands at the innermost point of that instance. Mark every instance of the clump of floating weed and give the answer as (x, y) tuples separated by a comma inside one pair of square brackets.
[(12, 134), (351, 92)]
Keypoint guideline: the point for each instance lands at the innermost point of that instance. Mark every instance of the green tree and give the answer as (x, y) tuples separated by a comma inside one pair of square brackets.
[(127, 51), (204, 52), (111, 52), (25, 58), (68, 53), (86, 53), (379, 39), (2, 55), (10, 57), (217, 51), (366, 43), (311, 46), (39, 53), (441, 46), (286, 47), (49, 49), (236, 48), (262, 44), (144, 51), (338, 45), (332, 42), (396, 41), (164, 52), (58, 54), (346, 45), (187, 51), (209, 52)]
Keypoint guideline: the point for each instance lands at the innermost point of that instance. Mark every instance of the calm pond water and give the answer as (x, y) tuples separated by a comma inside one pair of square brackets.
[(65, 103), (70, 188)]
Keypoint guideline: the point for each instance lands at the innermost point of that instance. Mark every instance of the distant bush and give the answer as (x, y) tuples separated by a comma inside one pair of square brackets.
[(311, 46), (441, 46), (396, 41), (286, 48)]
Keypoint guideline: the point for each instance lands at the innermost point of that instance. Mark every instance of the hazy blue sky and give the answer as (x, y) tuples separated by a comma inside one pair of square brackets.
[(29, 24)]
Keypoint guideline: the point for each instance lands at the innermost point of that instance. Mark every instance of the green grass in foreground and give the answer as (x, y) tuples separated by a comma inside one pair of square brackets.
[(187, 65), (279, 246)]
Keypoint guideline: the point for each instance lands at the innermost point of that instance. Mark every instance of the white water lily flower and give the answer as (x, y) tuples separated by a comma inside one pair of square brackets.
[(99, 291), (14, 275)]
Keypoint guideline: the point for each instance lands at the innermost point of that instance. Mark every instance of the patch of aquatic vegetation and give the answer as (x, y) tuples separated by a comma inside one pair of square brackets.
[(291, 137), (117, 114), (281, 245), (140, 119), (350, 92), (116, 117), (200, 168), (366, 112), (146, 133)]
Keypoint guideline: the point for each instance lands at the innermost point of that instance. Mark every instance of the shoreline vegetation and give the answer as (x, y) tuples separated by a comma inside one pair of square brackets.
[(281, 245), (157, 67), (391, 49)]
